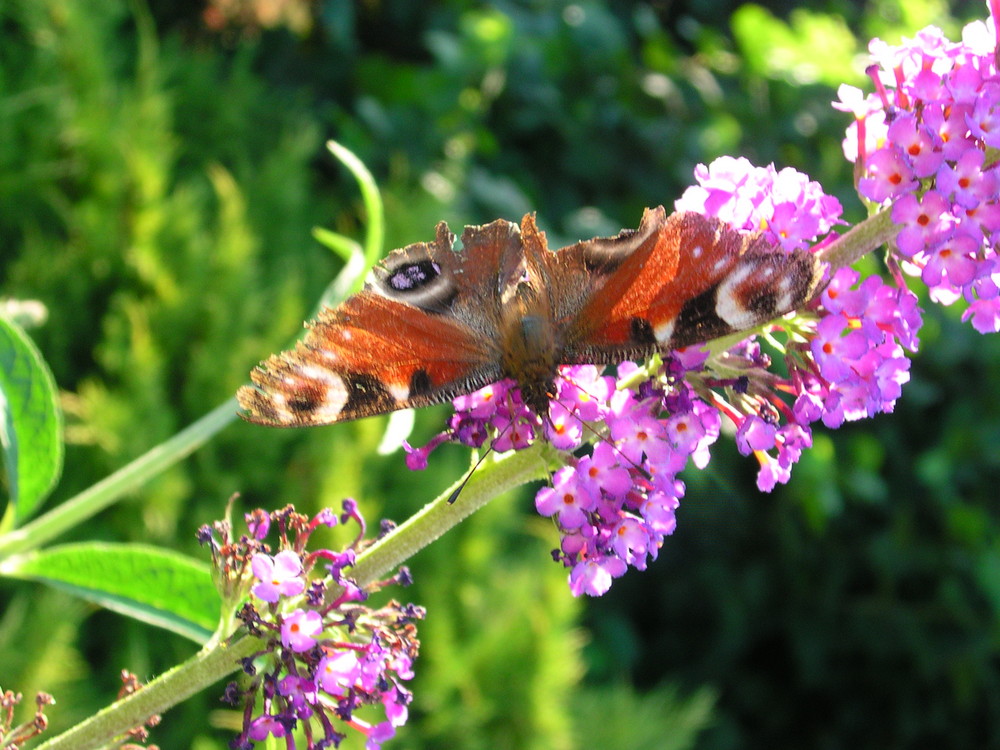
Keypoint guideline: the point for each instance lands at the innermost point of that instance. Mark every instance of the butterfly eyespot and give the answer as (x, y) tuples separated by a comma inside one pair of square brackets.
[(413, 275)]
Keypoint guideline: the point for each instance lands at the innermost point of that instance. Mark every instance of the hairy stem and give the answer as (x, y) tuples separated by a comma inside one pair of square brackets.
[(860, 240), (201, 670), (216, 661), (489, 480)]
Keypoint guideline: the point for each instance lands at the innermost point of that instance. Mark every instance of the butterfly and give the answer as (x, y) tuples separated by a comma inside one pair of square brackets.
[(433, 323)]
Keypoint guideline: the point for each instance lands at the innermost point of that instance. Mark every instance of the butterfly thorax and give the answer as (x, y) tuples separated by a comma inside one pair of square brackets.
[(529, 347)]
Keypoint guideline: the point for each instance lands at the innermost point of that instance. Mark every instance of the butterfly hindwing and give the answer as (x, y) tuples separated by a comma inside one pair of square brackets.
[(680, 280)]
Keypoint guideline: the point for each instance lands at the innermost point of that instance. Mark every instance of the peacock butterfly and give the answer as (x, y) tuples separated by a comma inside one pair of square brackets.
[(432, 323)]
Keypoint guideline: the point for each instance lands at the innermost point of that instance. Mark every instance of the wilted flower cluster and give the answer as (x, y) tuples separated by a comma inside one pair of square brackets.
[(13, 736), (325, 656), (925, 141)]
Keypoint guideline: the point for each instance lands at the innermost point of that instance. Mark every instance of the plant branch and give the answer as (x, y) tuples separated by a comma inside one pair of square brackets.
[(201, 670), (860, 240), (487, 482), (215, 662), (99, 496)]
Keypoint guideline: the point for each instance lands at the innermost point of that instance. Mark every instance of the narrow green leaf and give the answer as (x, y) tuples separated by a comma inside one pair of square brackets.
[(154, 585), (375, 226), (350, 276), (30, 423), (343, 246)]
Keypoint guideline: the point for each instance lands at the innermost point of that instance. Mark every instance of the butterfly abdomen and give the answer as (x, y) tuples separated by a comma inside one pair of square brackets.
[(529, 347)]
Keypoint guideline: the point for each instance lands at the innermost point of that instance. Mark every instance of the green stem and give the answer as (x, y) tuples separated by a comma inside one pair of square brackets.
[(488, 481), (99, 496), (860, 240), (201, 670), (372, 200)]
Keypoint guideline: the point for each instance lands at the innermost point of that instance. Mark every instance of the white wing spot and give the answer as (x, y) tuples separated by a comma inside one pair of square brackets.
[(665, 331), (311, 372), (728, 307), (785, 293), (333, 400), (398, 391), (330, 384)]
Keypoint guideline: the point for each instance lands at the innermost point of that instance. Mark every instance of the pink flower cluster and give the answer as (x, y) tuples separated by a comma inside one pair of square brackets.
[(923, 141), (858, 365), (325, 655), (789, 208), (614, 506), (923, 138), (845, 361)]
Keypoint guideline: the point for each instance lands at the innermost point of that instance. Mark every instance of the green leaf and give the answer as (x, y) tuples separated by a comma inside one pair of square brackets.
[(156, 586), (375, 227), (30, 423), (343, 246)]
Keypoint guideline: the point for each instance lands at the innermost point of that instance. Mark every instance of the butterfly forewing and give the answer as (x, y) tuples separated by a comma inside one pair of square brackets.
[(416, 335)]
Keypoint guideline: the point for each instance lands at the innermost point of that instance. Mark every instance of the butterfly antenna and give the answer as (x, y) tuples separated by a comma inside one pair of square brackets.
[(600, 435), (492, 446), (458, 490)]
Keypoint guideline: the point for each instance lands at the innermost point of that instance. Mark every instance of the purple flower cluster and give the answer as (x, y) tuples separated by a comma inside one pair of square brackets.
[(923, 141), (325, 655), (857, 366), (844, 358), (613, 506), (851, 365), (789, 208)]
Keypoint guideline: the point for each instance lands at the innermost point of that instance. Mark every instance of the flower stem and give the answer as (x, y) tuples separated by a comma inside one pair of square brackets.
[(99, 496), (486, 482), (860, 240), (215, 662), (201, 670)]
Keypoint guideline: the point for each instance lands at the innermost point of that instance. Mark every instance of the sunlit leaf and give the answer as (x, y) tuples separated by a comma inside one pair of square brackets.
[(156, 586), (30, 423)]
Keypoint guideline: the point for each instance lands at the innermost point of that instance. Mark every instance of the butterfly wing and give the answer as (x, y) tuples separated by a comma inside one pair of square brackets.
[(421, 332), (678, 280)]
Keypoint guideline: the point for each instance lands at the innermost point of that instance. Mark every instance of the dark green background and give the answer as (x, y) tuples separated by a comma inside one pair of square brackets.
[(158, 184)]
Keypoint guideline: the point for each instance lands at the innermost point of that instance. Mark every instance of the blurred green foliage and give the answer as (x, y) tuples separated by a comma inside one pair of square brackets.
[(158, 184)]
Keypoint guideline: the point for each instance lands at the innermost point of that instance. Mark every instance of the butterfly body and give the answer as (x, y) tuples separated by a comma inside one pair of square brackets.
[(433, 323)]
